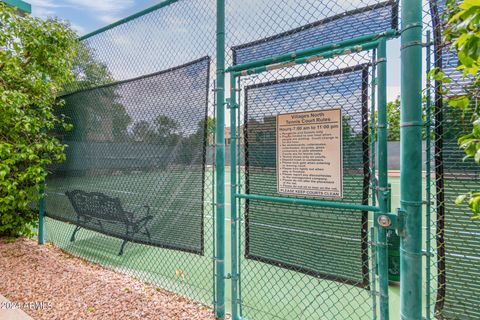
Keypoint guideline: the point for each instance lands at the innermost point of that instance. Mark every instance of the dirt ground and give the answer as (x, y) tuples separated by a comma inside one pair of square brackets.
[(50, 284)]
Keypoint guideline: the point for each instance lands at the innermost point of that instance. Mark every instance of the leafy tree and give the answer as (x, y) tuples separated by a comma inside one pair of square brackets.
[(88, 71), (143, 131), (393, 120), (210, 127), (463, 31), (120, 122), (191, 146), (35, 63), (94, 110), (348, 131), (165, 126)]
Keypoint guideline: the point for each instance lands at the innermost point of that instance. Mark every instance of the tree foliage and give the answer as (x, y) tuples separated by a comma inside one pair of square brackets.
[(210, 127), (393, 120), (96, 102), (35, 63), (463, 31), (165, 126), (88, 72)]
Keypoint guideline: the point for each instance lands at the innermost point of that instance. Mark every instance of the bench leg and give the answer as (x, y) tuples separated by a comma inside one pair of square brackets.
[(148, 233), (123, 246), (138, 227), (74, 232)]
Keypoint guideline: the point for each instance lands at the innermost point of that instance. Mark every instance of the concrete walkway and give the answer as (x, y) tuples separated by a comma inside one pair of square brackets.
[(9, 311)]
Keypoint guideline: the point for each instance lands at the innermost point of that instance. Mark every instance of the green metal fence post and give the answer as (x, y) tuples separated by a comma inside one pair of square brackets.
[(411, 161), (374, 276), (233, 200), (428, 181), (382, 250), (220, 163), (214, 199), (373, 179), (239, 201), (41, 205), (41, 216)]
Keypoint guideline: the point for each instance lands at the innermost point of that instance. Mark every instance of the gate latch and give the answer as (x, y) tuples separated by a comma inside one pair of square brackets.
[(387, 220)]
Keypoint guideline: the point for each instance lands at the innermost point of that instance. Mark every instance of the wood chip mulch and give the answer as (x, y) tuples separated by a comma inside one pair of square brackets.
[(51, 284)]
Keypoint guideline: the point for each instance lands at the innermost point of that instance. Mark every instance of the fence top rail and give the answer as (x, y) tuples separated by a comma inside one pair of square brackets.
[(19, 4), (129, 18), (313, 50), (318, 54)]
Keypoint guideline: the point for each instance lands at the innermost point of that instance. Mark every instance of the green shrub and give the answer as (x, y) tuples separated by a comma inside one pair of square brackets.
[(35, 63)]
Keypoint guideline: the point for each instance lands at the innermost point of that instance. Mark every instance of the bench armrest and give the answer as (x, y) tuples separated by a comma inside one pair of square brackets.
[(148, 210), (144, 219)]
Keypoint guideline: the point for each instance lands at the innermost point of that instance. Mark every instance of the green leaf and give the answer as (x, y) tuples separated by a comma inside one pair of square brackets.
[(460, 199), (460, 102), (474, 204)]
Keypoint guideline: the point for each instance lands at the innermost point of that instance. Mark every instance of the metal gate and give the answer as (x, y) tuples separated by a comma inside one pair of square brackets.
[(322, 256)]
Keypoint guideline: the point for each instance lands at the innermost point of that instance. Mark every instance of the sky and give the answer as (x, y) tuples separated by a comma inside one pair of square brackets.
[(88, 15)]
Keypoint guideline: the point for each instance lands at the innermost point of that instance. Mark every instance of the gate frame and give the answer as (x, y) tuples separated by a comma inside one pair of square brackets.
[(383, 219)]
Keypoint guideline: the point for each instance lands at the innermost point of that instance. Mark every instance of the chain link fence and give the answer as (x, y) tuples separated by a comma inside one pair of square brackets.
[(137, 191)]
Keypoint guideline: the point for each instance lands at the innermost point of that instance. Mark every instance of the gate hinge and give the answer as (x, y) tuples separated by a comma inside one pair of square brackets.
[(374, 293), (428, 253), (230, 105)]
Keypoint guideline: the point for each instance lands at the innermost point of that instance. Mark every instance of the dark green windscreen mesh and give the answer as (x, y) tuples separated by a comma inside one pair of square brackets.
[(457, 236), (369, 17), (136, 159), (324, 242)]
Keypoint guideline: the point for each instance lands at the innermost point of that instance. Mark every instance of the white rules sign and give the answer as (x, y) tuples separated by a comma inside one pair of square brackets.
[(309, 153)]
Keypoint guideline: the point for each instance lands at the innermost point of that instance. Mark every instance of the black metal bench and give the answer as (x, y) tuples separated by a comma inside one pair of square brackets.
[(96, 207)]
